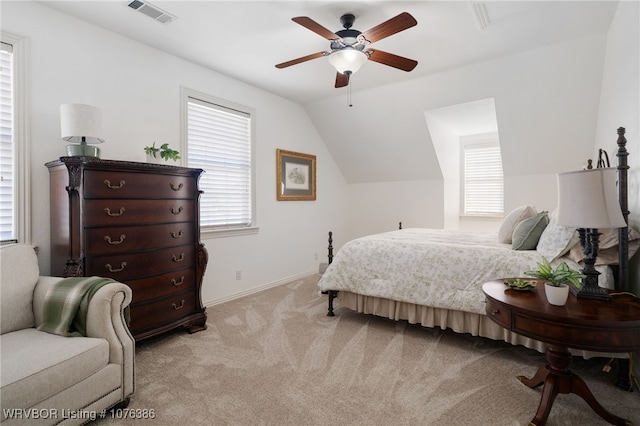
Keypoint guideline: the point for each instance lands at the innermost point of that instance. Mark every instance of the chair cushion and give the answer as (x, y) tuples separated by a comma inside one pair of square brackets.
[(36, 365), (19, 266)]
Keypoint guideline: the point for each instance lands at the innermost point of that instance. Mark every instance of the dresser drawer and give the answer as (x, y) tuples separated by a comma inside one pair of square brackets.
[(161, 285), (102, 212), (116, 184), (120, 239), (123, 267), (162, 311)]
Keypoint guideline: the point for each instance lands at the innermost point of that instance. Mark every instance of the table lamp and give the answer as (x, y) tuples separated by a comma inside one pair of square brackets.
[(83, 124), (587, 200)]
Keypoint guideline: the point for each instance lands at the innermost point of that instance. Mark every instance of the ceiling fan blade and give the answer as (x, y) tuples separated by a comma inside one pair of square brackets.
[(312, 25), (300, 60), (342, 80), (385, 58), (390, 27)]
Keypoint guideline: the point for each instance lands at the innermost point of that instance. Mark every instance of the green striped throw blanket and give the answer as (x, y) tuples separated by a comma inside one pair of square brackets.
[(66, 305)]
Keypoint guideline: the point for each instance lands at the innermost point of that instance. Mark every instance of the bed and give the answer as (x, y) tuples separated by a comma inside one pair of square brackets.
[(434, 277)]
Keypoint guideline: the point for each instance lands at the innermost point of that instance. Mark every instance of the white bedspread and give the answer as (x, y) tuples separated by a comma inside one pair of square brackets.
[(432, 267)]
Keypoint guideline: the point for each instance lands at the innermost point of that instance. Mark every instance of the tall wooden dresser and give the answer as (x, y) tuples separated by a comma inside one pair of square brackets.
[(137, 223)]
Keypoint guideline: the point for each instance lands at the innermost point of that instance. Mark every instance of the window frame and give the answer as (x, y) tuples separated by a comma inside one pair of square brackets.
[(22, 157), (233, 230), (483, 140)]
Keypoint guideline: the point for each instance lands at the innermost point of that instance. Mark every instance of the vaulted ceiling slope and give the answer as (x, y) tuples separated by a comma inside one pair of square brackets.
[(466, 50)]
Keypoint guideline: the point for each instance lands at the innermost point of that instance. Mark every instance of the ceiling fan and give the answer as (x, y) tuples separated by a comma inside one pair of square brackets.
[(349, 47)]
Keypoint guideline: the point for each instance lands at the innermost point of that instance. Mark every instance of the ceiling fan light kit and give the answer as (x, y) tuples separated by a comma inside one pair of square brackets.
[(349, 47), (348, 60)]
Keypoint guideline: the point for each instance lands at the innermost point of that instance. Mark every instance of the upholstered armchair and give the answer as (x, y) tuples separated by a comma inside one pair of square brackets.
[(50, 378)]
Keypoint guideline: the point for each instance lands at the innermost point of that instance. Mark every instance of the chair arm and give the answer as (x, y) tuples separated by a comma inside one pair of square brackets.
[(105, 319)]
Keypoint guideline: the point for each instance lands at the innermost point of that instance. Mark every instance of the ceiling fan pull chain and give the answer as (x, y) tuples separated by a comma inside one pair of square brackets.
[(349, 94)]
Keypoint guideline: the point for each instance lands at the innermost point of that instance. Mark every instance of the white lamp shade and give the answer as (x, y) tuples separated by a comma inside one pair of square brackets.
[(347, 60), (588, 199), (79, 121)]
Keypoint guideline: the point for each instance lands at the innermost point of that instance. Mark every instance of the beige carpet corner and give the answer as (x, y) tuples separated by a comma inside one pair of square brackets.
[(275, 358)]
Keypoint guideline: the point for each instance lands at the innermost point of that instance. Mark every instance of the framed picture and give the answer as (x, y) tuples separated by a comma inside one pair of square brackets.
[(296, 176)]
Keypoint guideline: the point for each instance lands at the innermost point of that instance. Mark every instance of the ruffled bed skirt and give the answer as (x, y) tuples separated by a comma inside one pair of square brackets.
[(458, 321)]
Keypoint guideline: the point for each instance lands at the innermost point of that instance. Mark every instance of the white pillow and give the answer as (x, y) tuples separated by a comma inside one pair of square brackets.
[(556, 240), (512, 220), (609, 237)]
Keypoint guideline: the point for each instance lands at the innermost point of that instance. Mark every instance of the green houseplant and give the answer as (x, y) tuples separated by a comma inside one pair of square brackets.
[(555, 288), (161, 153)]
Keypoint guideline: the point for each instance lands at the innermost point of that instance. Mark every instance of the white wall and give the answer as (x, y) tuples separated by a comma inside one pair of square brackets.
[(620, 106), (138, 90), (379, 207), (546, 108), (446, 144)]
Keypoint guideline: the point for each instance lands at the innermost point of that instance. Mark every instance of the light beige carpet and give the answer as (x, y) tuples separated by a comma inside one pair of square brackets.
[(275, 358)]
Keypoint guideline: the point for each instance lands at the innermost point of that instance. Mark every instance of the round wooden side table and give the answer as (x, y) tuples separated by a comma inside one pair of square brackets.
[(594, 325)]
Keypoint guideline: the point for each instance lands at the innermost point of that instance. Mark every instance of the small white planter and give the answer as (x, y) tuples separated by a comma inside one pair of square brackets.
[(155, 160), (556, 295)]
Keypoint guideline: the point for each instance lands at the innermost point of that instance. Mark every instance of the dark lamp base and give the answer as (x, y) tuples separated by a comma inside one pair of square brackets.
[(590, 292)]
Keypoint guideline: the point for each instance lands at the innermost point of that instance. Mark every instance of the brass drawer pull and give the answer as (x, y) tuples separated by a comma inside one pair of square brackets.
[(177, 283), (176, 307), (110, 268), (114, 243), (108, 183), (178, 259), (178, 211), (107, 210), (495, 312), (178, 235), (176, 188)]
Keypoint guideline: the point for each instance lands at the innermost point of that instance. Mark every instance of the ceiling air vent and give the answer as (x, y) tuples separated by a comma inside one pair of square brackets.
[(152, 11)]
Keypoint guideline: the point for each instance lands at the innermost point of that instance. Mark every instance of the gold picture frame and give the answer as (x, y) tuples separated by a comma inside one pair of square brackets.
[(295, 176)]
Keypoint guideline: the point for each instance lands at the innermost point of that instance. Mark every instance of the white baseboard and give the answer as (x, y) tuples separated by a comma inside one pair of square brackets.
[(259, 289)]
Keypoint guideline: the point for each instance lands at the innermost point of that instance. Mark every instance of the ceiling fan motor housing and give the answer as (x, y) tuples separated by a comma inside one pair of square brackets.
[(347, 38)]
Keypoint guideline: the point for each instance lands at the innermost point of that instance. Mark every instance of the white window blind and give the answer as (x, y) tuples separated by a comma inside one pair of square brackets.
[(219, 142), (8, 228), (483, 180)]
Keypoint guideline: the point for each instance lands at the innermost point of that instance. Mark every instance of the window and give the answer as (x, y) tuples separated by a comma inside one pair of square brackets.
[(219, 140), (14, 160), (483, 179)]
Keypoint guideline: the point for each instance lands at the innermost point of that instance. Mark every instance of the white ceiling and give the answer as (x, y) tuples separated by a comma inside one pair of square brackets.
[(383, 138), (246, 39)]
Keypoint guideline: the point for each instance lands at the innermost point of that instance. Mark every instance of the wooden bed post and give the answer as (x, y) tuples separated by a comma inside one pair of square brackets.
[(622, 283), (623, 233), (331, 294)]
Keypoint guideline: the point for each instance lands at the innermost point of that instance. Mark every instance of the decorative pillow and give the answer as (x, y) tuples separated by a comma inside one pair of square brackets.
[(527, 233), (609, 237), (512, 220), (556, 240), (607, 252)]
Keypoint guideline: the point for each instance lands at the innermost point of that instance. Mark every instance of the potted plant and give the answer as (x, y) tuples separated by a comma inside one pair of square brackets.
[(555, 286), (160, 154)]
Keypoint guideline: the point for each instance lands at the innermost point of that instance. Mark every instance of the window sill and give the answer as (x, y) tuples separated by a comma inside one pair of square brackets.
[(227, 232), (482, 217)]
